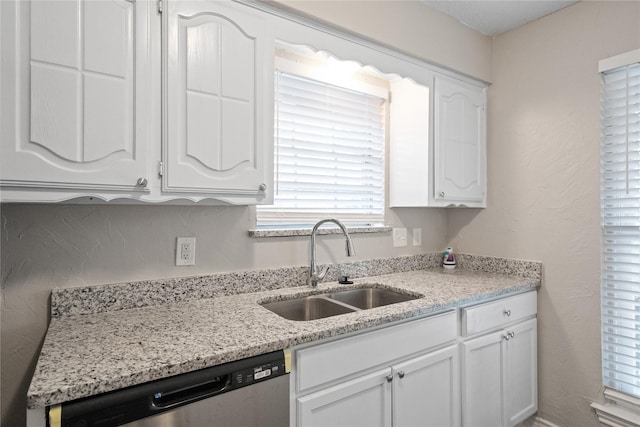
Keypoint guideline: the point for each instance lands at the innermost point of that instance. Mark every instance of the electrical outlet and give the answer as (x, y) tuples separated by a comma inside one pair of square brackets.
[(399, 237), (185, 251), (416, 235)]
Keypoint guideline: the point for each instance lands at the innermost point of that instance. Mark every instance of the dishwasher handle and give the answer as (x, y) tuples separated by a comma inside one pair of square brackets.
[(192, 393)]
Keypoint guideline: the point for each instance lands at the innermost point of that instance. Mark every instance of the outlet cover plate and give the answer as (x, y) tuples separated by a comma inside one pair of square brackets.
[(399, 237), (185, 251)]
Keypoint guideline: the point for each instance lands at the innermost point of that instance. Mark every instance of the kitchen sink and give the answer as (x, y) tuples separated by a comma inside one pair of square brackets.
[(307, 308), (334, 303), (365, 298)]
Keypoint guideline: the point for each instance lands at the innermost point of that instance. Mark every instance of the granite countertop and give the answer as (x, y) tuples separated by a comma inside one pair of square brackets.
[(88, 354)]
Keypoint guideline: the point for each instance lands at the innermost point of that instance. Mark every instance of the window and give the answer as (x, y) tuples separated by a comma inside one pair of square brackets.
[(329, 143), (620, 216)]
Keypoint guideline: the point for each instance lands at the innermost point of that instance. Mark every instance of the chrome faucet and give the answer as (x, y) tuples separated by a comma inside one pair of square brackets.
[(314, 275)]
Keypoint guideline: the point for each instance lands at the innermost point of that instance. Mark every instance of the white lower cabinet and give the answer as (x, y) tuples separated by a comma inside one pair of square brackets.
[(422, 373), (422, 391), (364, 401), (399, 376), (425, 390), (499, 369)]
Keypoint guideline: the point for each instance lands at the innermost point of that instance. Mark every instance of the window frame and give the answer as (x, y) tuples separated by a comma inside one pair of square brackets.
[(621, 406), (301, 62)]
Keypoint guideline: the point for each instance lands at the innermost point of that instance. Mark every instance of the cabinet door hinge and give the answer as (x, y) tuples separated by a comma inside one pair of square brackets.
[(160, 168), (159, 6)]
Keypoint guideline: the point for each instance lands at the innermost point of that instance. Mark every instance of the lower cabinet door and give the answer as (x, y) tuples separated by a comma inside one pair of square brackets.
[(364, 401), (483, 380), (521, 397), (426, 390)]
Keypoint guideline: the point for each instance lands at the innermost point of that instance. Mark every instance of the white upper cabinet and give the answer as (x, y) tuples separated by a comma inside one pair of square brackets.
[(409, 151), (70, 95), (437, 155), (85, 112), (218, 111), (459, 143)]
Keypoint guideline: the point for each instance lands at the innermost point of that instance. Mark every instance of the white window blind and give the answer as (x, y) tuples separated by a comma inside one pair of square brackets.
[(620, 216), (329, 154)]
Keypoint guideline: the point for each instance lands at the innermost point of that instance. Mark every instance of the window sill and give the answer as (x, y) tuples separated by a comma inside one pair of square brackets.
[(291, 232), (619, 410)]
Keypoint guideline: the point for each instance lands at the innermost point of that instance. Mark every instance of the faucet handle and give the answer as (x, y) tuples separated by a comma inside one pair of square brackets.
[(323, 272)]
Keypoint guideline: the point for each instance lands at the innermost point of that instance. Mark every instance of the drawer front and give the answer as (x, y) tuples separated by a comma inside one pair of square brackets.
[(496, 314), (327, 362)]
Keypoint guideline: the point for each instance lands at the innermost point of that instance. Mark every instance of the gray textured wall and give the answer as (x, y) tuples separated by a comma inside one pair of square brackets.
[(544, 142)]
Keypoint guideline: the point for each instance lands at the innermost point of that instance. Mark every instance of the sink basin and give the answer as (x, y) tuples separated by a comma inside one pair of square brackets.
[(307, 308), (332, 304), (365, 298)]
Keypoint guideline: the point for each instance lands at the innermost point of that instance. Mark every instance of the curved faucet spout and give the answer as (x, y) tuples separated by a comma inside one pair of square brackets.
[(314, 275)]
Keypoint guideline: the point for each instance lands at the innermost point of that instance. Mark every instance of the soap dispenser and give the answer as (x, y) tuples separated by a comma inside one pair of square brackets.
[(449, 260)]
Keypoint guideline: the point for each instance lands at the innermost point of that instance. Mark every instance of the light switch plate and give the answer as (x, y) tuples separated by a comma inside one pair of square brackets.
[(399, 237), (416, 235)]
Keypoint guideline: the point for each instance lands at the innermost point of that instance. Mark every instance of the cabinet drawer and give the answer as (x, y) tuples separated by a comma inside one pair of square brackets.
[(327, 362), (494, 315)]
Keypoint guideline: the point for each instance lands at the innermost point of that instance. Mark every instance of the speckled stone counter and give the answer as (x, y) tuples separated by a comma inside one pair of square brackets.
[(118, 344)]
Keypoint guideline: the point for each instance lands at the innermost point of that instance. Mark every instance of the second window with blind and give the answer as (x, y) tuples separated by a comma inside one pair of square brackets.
[(620, 213)]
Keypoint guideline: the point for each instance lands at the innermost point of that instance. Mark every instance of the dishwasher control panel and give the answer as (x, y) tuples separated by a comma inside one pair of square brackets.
[(257, 373)]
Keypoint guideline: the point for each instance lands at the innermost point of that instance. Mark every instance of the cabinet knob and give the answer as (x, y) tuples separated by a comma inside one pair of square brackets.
[(512, 334), (401, 374), (506, 337), (262, 187), (507, 312), (441, 194), (142, 182), (389, 378)]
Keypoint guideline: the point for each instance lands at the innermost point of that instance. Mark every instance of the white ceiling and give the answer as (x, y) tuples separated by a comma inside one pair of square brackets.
[(495, 17)]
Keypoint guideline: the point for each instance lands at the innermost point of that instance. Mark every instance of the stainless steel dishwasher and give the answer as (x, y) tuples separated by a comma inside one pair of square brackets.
[(244, 393)]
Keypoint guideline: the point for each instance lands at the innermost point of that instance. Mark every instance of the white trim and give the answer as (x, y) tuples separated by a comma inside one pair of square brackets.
[(619, 410), (541, 422), (355, 39), (618, 61)]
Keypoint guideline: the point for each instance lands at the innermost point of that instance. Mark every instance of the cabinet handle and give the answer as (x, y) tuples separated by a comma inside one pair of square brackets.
[(389, 378), (262, 187), (142, 182), (401, 374), (507, 312)]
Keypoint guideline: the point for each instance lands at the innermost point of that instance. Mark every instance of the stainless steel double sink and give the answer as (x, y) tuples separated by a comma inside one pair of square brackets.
[(329, 304)]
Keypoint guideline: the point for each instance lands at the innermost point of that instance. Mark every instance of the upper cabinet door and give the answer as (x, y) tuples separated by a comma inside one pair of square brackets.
[(69, 95), (217, 107), (460, 143)]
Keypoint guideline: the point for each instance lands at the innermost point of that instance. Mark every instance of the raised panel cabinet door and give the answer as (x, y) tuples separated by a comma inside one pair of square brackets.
[(70, 97), (362, 402), (521, 397), (426, 390), (460, 142), (217, 111), (483, 381)]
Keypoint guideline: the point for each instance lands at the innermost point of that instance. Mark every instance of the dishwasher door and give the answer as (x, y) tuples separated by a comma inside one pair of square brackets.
[(264, 404), (244, 393)]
